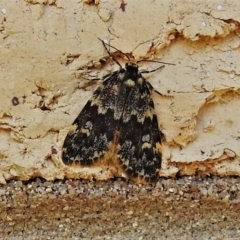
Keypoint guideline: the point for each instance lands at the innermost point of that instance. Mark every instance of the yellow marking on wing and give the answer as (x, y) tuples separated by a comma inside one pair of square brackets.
[(72, 128)]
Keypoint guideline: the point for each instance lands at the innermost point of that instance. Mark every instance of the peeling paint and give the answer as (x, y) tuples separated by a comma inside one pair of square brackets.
[(49, 48)]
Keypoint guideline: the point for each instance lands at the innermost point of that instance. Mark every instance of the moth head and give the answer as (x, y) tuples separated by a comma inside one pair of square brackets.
[(132, 66), (131, 72)]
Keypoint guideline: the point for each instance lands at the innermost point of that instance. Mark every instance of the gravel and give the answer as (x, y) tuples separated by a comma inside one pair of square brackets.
[(186, 208)]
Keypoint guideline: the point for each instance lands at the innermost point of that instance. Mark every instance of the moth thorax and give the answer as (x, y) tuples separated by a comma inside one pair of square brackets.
[(146, 138), (129, 83), (146, 141)]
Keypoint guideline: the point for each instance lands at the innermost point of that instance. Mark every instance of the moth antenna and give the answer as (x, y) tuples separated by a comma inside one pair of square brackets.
[(140, 44), (114, 59), (146, 60)]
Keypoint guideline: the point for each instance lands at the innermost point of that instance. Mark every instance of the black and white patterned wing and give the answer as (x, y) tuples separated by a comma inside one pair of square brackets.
[(93, 130), (139, 145)]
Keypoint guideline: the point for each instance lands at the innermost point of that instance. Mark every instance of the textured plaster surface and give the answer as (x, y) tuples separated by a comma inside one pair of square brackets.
[(50, 50)]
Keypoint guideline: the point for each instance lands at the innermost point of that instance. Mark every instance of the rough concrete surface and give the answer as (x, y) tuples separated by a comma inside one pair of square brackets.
[(187, 208)]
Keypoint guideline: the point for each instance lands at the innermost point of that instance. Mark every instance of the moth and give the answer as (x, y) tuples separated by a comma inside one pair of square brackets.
[(118, 122)]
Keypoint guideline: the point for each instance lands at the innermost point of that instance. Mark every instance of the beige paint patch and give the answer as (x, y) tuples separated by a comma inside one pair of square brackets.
[(217, 128)]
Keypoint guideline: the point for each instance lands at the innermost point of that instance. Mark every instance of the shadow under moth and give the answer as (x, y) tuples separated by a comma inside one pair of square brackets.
[(118, 122)]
